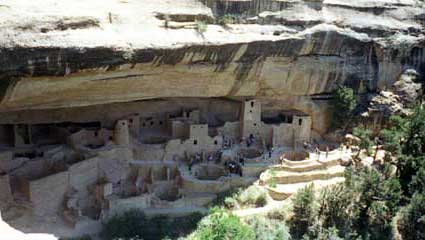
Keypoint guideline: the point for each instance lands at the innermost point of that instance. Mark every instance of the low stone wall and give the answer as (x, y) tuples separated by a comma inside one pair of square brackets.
[(5, 192), (296, 156), (117, 206), (47, 194)]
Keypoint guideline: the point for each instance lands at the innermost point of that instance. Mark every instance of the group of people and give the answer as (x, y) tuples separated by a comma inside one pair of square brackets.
[(212, 157)]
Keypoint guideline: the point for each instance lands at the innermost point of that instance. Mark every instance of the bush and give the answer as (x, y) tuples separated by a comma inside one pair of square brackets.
[(412, 218), (268, 229), (305, 211), (128, 225), (253, 196), (134, 225), (280, 213), (221, 225), (85, 237), (343, 103), (226, 20), (201, 26)]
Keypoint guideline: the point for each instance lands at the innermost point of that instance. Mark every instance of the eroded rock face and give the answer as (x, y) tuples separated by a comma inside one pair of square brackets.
[(56, 54), (405, 92)]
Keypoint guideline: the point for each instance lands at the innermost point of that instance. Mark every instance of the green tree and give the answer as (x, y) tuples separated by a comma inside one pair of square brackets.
[(365, 138), (412, 220), (222, 225), (343, 104), (305, 211)]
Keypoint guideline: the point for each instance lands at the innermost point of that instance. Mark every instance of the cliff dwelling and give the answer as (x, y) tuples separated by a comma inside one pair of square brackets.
[(82, 168), (164, 109)]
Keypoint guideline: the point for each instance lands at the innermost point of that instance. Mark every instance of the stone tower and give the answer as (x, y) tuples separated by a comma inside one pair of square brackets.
[(250, 119), (122, 133)]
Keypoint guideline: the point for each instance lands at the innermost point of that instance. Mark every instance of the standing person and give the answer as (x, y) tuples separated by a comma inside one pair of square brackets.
[(327, 152), (241, 160), (317, 151)]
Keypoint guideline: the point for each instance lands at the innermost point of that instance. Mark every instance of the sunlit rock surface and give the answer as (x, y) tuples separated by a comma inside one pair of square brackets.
[(56, 54)]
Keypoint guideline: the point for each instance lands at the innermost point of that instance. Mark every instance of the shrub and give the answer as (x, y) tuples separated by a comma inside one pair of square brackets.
[(304, 210), (280, 213), (253, 196), (201, 26), (84, 237), (127, 225), (412, 218), (268, 229), (220, 225), (134, 225), (226, 20), (343, 103)]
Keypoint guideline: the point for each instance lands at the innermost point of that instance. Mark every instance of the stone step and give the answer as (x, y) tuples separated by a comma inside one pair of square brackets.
[(288, 177), (300, 168), (283, 191)]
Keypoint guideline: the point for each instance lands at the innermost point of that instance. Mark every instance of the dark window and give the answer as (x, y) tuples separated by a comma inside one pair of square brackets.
[(96, 133), (151, 123), (252, 104), (110, 138), (300, 121), (160, 122), (131, 120), (123, 123), (144, 124), (215, 142), (250, 111), (255, 124), (290, 119), (195, 142)]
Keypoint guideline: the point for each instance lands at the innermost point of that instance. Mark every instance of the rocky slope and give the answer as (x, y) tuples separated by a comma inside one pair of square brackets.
[(68, 53)]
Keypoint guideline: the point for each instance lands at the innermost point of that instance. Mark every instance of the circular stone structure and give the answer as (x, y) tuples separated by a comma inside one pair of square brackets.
[(209, 172), (250, 153), (296, 155)]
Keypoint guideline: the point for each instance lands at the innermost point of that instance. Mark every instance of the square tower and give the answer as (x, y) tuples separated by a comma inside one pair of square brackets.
[(251, 119)]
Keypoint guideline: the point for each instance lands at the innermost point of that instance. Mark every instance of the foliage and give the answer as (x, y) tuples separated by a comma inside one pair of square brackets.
[(412, 220), (405, 139), (222, 225), (201, 26), (268, 229), (279, 213), (343, 103), (134, 225), (272, 182), (85, 237), (226, 20), (304, 210), (365, 138), (253, 196)]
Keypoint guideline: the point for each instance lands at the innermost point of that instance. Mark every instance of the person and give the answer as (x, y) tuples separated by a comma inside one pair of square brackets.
[(210, 158), (241, 160), (317, 150), (327, 152), (281, 160), (305, 145)]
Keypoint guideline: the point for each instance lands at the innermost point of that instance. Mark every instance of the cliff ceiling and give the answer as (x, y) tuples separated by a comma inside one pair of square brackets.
[(66, 53)]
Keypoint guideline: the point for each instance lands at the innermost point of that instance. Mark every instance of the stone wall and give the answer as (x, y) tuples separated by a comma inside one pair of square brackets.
[(47, 194), (230, 129), (5, 192), (118, 206)]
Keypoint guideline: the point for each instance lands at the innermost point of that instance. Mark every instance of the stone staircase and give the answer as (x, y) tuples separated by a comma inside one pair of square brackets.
[(285, 179)]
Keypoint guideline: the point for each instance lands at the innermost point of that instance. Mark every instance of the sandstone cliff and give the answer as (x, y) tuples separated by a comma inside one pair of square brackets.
[(67, 53)]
